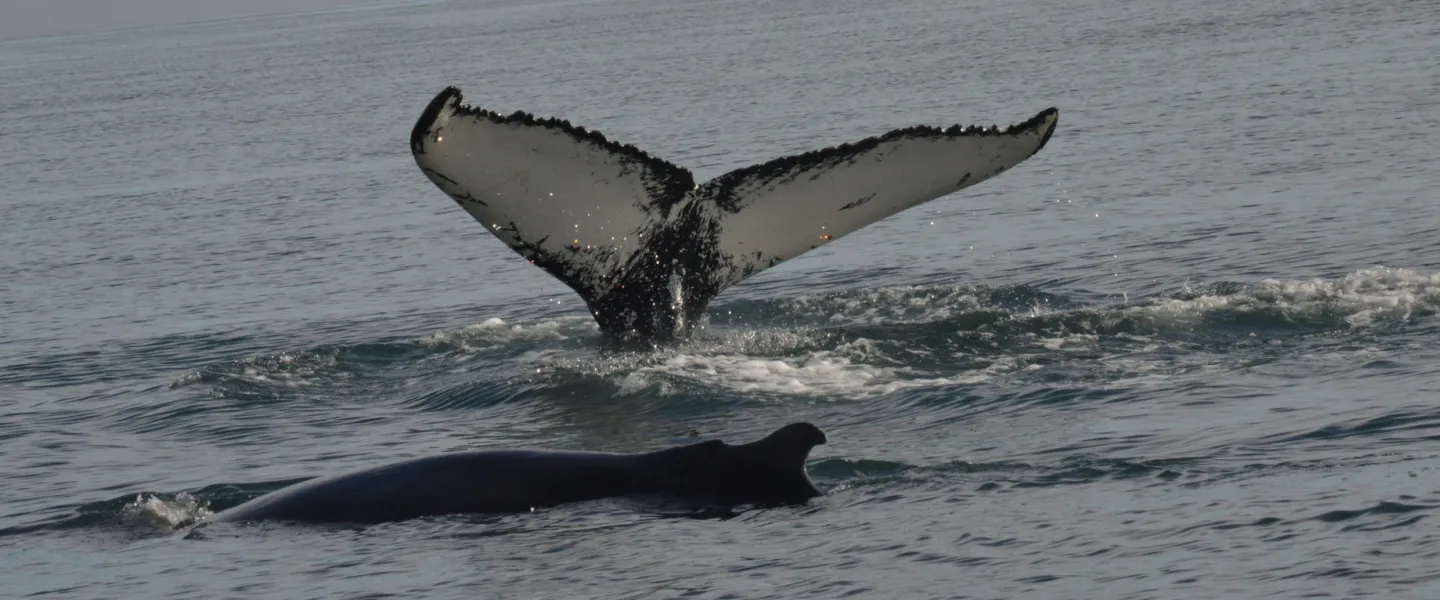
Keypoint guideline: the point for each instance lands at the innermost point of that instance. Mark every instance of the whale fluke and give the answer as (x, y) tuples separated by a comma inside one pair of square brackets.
[(643, 244)]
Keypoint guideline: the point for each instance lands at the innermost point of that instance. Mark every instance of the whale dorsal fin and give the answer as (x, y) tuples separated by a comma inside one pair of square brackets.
[(770, 470), (788, 447), (642, 244)]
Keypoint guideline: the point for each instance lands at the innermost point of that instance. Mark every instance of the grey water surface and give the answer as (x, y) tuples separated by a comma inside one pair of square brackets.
[(1189, 350)]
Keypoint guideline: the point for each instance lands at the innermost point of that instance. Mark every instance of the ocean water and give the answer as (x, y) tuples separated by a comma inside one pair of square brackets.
[(1189, 350)]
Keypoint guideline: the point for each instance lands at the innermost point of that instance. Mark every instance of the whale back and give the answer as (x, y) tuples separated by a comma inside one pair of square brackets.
[(770, 471), (478, 482)]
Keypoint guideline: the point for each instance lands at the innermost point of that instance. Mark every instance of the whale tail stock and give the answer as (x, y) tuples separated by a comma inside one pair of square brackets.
[(643, 244)]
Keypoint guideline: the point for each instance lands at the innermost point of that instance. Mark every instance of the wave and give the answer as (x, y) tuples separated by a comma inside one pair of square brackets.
[(143, 514), (150, 513), (844, 481), (859, 344), (850, 481)]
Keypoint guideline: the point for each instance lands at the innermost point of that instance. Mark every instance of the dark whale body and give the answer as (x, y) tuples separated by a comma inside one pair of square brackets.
[(770, 471), (644, 244)]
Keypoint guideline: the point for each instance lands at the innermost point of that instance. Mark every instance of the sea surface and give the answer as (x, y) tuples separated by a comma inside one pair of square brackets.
[(1188, 350)]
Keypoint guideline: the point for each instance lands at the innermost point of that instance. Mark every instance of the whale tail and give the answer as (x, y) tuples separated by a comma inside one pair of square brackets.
[(642, 243)]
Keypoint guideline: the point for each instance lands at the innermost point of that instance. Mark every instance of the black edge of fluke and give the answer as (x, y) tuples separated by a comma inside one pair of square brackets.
[(427, 118), (779, 166), (1045, 114), (676, 179)]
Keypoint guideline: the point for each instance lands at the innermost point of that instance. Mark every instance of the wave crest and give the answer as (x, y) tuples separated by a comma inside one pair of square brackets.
[(857, 344)]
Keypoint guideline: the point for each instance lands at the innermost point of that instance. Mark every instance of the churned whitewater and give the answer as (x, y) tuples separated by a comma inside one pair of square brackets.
[(1188, 350)]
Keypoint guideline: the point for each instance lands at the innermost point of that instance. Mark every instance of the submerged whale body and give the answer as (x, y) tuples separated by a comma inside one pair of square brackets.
[(643, 244), (770, 471)]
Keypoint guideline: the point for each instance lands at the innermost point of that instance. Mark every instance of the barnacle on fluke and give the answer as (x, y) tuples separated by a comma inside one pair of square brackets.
[(643, 244)]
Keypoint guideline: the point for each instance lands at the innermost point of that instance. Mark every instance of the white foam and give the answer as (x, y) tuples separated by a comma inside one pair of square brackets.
[(636, 383), (1359, 298), (853, 370), (149, 509), (495, 332), (291, 370), (811, 361), (1068, 343), (901, 304)]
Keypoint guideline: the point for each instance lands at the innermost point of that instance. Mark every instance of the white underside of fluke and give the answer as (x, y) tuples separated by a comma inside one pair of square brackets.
[(617, 224)]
